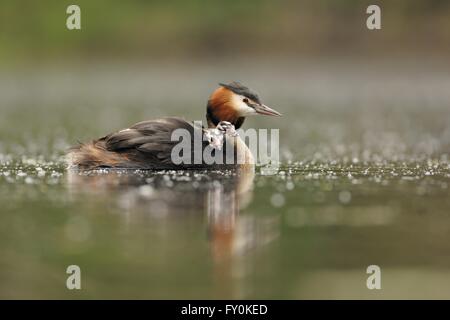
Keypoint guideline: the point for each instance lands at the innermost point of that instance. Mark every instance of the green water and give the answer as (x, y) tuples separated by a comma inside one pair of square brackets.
[(364, 181)]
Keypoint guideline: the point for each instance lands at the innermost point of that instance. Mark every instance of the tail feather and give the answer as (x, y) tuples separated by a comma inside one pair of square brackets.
[(93, 155)]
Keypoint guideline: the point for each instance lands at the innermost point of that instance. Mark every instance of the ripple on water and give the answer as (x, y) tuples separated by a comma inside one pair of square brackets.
[(426, 176)]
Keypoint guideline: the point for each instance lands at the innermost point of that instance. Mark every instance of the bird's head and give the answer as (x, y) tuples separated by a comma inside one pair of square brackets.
[(233, 102)]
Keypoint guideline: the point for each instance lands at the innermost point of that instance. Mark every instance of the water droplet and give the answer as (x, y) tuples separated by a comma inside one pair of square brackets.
[(277, 200), (290, 185), (146, 191), (345, 197)]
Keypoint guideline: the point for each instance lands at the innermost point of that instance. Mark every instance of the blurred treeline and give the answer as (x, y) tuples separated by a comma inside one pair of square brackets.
[(36, 30)]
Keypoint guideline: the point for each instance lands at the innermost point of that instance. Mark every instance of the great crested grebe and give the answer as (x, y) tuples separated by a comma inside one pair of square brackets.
[(149, 144)]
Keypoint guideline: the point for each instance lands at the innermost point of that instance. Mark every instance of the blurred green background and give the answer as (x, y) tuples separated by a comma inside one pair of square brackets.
[(35, 31)]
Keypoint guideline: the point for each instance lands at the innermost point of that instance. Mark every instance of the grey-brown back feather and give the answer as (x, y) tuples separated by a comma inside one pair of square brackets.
[(145, 145), (148, 144)]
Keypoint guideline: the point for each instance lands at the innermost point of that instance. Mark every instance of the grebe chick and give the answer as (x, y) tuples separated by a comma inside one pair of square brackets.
[(148, 144)]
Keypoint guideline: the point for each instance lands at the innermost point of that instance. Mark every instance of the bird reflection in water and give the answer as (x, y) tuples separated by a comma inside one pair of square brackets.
[(217, 195)]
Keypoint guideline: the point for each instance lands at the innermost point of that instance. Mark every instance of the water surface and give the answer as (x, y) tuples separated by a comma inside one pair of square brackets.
[(364, 180)]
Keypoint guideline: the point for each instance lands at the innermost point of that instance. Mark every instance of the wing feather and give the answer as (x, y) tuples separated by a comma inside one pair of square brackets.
[(148, 141)]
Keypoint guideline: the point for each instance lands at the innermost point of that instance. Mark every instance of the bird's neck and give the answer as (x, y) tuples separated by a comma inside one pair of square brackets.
[(216, 115)]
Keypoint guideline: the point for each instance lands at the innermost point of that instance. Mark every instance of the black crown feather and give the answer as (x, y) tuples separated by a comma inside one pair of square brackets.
[(240, 89)]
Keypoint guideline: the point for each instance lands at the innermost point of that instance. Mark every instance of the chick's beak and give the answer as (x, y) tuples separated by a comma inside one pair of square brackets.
[(265, 110)]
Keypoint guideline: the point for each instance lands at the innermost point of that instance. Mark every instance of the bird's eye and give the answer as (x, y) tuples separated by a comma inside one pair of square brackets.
[(245, 100)]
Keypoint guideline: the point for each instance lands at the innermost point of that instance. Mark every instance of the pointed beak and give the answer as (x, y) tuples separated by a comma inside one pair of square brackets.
[(265, 110)]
